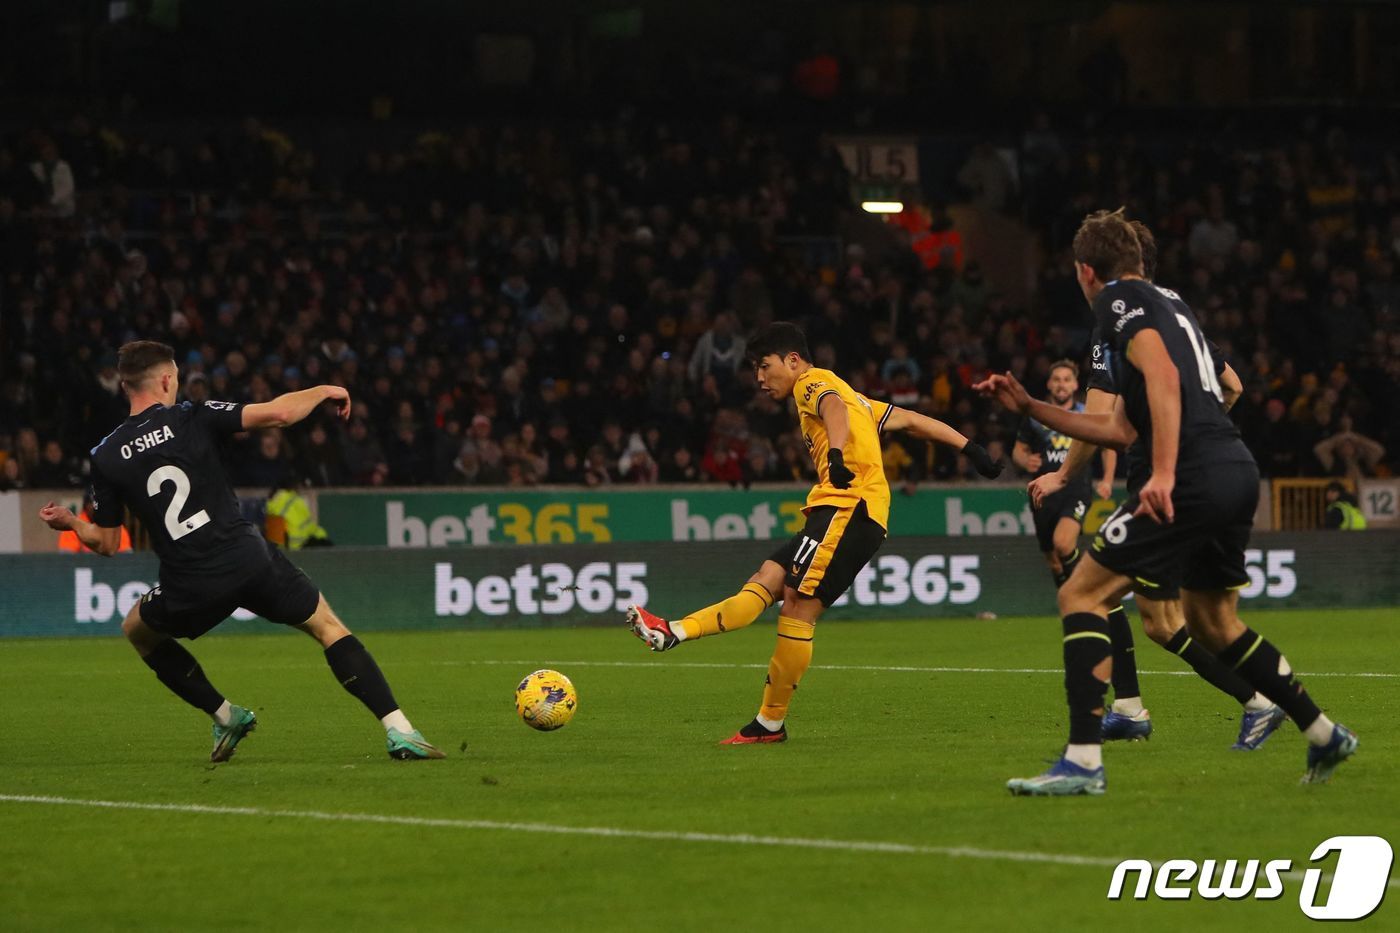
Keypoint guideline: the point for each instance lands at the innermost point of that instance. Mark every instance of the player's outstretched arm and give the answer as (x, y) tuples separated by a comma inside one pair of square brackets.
[(105, 541), (931, 429), (1080, 453), (292, 407), (1106, 429)]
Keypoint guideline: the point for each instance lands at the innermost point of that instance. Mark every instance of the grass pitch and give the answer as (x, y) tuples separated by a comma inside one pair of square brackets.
[(885, 810)]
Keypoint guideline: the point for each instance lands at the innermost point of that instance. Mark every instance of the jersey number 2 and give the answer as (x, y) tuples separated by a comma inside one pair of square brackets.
[(176, 526)]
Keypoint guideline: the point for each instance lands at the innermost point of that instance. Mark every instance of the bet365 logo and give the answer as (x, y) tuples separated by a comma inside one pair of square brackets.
[(1359, 879)]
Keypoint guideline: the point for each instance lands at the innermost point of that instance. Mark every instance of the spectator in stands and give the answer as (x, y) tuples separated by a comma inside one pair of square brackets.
[(55, 177), (361, 452), (320, 461), (55, 470), (679, 467), (529, 305), (266, 466), (1348, 454), (719, 353)]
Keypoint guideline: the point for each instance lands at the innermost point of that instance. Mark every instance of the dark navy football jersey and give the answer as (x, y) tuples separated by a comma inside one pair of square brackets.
[(1052, 446), (1208, 436), (1103, 362), (164, 464)]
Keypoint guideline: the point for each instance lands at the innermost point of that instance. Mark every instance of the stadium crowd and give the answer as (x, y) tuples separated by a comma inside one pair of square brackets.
[(511, 308)]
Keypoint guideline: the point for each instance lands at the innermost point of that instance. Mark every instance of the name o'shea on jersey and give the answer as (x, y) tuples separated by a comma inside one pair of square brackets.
[(147, 441)]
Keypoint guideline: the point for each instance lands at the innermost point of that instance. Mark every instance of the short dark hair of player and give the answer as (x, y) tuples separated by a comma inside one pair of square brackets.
[(1148, 244), (1107, 244), (1071, 365), (779, 338), (136, 359)]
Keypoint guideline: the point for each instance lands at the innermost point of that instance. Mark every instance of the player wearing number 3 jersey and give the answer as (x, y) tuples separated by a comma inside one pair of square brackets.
[(847, 514), (163, 464)]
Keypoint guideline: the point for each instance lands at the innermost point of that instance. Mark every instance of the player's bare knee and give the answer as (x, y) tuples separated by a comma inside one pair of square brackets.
[(1066, 544), (1075, 596), (770, 577), (1158, 626), (324, 625), (141, 636), (1212, 618)]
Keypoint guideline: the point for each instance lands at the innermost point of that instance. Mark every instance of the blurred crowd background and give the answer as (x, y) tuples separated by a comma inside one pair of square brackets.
[(530, 301)]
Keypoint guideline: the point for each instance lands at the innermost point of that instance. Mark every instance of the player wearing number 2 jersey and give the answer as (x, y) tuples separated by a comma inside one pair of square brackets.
[(163, 464), (1186, 526), (847, 514)]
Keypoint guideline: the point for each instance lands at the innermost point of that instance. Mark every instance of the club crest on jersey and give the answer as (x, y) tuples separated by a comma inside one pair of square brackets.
[(146, 441)]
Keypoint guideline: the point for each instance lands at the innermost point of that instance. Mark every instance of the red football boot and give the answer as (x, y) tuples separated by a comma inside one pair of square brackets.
[(652, 629)]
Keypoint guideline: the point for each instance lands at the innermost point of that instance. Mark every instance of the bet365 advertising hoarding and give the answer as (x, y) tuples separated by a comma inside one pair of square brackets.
[(592, 584)]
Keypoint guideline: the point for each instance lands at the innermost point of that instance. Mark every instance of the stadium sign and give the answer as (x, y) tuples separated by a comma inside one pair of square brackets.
[(591, 584), (467, 518)]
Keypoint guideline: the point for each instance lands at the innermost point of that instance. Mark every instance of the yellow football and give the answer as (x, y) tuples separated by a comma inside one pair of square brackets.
[(546, 700)]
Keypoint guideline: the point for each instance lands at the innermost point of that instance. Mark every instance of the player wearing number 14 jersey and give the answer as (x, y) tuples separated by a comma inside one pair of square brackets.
[(1185, 527), (847, 514), (163, 463)]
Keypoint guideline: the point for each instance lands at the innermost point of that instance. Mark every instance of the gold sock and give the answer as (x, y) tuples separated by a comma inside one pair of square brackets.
[(790, 661), (737, 611)]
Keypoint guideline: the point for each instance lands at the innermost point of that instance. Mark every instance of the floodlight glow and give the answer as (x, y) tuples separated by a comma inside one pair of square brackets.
[(882, 207)]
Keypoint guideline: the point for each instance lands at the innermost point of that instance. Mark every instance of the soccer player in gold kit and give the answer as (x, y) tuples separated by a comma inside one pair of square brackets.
[(847, 515)]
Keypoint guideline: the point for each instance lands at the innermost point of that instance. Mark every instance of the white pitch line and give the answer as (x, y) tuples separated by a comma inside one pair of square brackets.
[(609, 832), (743, 839)]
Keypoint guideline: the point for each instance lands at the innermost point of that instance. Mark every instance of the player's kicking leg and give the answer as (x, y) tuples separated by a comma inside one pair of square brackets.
[(727, 615), (818, 565), (357, 672), (1211, 616), (181, 673)]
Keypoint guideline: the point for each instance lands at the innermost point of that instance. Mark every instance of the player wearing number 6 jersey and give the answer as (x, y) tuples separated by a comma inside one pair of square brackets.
[(1186, 526), (163, 463), (847, 514)]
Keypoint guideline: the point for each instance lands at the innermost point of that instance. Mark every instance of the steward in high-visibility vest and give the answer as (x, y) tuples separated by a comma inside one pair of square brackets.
[(1342, 513), (301, 528)]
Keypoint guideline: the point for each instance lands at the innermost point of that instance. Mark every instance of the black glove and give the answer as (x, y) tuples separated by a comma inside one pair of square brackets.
[(982, 461), (840, 475)]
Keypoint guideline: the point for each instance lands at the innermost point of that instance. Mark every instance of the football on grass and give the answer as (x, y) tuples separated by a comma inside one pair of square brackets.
[(546, 700)]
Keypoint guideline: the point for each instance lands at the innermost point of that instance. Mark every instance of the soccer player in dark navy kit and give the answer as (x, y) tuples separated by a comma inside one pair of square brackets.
[(1186, 527), (1040, 450), (163, 463), (1126, 718)]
